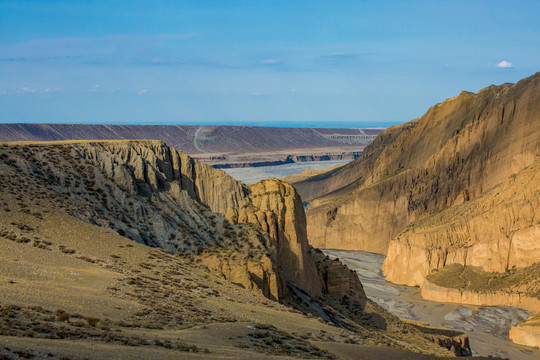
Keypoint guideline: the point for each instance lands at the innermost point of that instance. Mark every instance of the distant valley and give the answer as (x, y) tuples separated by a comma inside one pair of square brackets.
[(218, 145)]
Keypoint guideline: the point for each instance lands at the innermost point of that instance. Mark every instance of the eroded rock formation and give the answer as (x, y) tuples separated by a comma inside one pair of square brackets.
[(158, 196), (277, 209), (459, 185)]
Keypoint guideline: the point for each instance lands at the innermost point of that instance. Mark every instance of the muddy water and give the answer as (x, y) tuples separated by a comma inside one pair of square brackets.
[(487, 327), (254, 174)]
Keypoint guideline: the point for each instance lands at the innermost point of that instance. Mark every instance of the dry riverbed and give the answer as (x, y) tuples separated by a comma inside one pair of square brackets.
[(487, 327)]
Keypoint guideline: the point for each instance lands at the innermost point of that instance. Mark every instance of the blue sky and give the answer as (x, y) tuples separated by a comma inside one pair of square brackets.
[(299, 63)]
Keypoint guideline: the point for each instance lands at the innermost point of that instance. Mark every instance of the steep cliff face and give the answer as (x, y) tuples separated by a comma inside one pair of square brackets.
[(157, 196), (496, 231), (151, 167), (458, 185), (527, 333), (350, 176), (277, 209), (161, 197)]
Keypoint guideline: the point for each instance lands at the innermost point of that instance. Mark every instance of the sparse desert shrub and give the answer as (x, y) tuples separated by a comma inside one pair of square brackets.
[(61, 315), (92, 321), (66, 250), (24, 354)]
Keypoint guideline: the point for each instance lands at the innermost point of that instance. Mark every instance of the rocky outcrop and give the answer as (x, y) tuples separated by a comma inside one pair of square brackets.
[(161, 197), (431, 291), (338, 280), (261, 276), (450, 339), (495, 231), (527, 333), (459, 185), (151, 167), (277, 209)]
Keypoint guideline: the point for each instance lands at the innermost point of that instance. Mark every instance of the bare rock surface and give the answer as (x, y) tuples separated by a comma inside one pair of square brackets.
[(459, 185)]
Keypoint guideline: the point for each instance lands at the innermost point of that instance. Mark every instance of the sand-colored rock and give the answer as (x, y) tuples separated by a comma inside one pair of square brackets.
[(260, 276), (161, 197), (337, 278), (458, 185), (277, 209), (431, 291), (149, 167), (497, 230), (527, 333)]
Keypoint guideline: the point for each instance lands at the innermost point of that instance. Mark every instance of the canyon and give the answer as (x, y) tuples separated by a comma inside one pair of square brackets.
[(150, 238), (457, 187), (451, 199)]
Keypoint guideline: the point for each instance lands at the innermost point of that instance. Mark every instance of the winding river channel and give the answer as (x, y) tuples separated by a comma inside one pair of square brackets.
[(486, 326)]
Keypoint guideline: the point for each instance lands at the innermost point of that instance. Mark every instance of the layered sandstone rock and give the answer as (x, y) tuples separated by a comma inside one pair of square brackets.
[(459, 185), (434, 292), (527, 333), (150, 167), (277, 209), (260, 276)]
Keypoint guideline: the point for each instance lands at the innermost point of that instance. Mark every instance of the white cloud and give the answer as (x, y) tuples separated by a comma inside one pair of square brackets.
[(27, 90), (49, 90), (142, 92), (504, 64), (95, 88), (271, 62)]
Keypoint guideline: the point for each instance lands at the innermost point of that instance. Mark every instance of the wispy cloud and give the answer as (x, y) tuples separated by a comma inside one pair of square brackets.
[(95, 88), (27, 90), (505, 64), (338, 56), (49, 90), (271, 62), (38, 59), (142, 92), (114, 49)]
